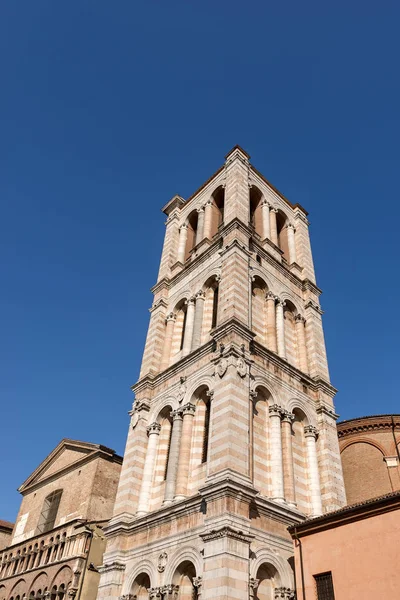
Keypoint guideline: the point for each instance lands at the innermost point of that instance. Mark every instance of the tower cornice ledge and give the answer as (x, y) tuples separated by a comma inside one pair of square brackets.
[(228, 485), (151, 381), (164, 514), (232, 325), (282, 512), (315, 383)]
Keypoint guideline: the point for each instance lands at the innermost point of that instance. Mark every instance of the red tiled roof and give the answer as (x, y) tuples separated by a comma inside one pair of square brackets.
[(6, 524)]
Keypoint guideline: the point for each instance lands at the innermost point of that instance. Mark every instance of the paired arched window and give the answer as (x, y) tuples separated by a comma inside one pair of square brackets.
[(49, 512)]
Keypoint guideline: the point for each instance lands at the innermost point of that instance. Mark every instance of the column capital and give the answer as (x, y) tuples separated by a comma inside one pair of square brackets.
[(200, 209), (183, 226), (287, 417), (190, 300), (291, 226), (154, 593), (188, 409), (275, 410), (200, 295), (210, 394), (273, 209), (310, 431), (270, 296), (170, 592), (280, 302), (198, 582), (154, 428), (253, 583), (176, 414), (264, 202), (170, 317), (299, 319), (208, 202), (284, 593)]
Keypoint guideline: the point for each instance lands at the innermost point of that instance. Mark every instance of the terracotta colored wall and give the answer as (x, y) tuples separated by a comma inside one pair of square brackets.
[(363, 557)]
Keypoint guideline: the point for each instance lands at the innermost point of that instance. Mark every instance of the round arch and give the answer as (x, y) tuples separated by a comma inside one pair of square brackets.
[(63, 575), (198, 382), (41, 580), (160, 406), (283, 569), (362, 440), (299, 405), (187, 553), (143, 566)]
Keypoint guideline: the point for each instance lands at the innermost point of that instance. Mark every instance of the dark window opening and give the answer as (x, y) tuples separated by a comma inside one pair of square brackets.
[(206, 432), (324, 585), (215, 309), (49, 512)]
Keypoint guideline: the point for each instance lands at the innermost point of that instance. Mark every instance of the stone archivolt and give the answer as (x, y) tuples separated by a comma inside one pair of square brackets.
[(237, 405)]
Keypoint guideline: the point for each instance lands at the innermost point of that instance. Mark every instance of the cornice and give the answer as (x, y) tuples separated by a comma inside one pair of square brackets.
[(232, 325), (171, 371), (277, 511), (347, 514), (154, 518), (227, 532), (283, 269), (369, 423), (309, 285), (254, 171), (228, 486)]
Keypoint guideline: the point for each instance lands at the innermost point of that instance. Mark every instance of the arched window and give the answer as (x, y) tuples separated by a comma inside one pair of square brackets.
[(281, 226), (191, 233), (255, 210), (49, 512), (215, 308), (206, 432)]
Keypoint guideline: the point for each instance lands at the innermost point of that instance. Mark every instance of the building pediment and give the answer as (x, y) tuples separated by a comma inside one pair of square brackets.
[(67, 455)]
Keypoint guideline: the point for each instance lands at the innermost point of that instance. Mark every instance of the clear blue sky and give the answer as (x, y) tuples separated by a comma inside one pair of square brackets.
[(107, 110)]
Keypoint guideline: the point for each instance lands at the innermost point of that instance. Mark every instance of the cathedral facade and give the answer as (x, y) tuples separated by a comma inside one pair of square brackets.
[(232, 436)]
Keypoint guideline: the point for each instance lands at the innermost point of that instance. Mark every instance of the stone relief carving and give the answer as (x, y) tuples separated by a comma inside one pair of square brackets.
[(162, 562), (241, 367)]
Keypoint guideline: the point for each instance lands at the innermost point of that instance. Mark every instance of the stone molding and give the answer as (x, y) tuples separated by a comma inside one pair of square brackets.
[(113, 566), (227, 532)]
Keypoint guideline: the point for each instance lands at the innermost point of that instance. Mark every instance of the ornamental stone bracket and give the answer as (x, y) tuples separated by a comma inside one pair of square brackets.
[(227, 532)]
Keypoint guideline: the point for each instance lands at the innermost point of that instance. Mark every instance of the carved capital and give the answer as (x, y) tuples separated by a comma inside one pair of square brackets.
[(183, 226), (284, 593), (170, 317), (190, 300), (176, 414), (291, 226), (200, 209), (300, 319), (280, 302), (155, 593), (310, 431), (275, 410), (200, 295), (170, 592), (270, 296), (153, 429), (287, 417), (189, 409)]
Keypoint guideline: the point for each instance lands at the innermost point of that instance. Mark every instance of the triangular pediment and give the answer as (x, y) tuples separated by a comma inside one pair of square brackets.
[(69, 454)]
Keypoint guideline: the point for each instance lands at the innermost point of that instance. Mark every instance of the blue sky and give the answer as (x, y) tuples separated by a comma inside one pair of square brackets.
[(107, 109)]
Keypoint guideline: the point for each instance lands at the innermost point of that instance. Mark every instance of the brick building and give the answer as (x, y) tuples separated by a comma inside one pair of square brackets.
[(350, 553), (369, 449), (6, 529), (58, 541), (232, 436)]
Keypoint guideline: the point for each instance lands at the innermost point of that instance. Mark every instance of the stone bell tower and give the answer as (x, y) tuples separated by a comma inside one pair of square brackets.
[(232, 436)]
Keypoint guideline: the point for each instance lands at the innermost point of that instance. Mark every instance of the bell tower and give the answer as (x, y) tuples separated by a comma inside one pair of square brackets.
[(232, 436)]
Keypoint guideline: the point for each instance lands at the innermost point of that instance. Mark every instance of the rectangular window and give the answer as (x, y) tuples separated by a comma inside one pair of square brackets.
[(324, 585)]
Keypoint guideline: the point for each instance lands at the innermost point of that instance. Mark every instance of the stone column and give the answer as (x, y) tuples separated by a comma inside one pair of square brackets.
[(198, 319), (170, 592), (208, 210), (187, 340), (170, 481), (280, 328), (197, 583), (277, 492), (169, 330), (287, 452), (273, 227), (200, 225), (310, 433), (253, 585), (184, 454), (301, 343), (291, 243), (183, 232), (271, 322), (265, 219), (153, 431)]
